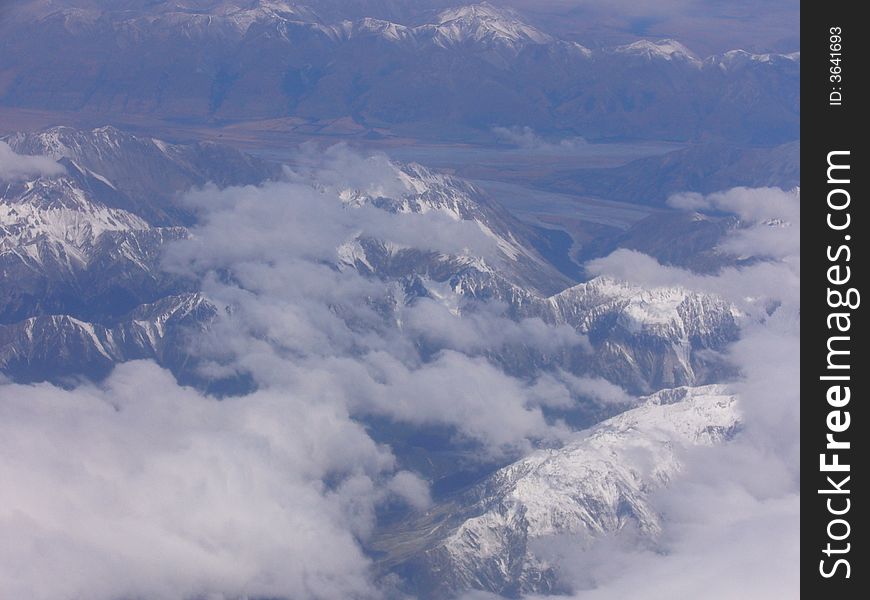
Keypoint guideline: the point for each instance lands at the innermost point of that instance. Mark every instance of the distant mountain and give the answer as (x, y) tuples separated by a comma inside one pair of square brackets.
[(669, 50), (702, 168), (451, 74), (485, 538), (485, 26), (80, 257)]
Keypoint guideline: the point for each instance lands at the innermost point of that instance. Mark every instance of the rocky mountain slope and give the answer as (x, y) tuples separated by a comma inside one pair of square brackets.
[(141, 175), (80, 246), (491, 537), (84, 287)]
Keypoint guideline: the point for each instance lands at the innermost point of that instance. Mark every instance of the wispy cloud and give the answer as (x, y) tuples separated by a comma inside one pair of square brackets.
[(731, 519), (14, 167), (160, 491), (526, 139)]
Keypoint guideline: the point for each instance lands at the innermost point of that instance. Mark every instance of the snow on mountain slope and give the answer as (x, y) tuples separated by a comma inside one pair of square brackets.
[(739, 58), (70, 263), (484, 538), (68, 250), (141, 175), (68, 142), (661, 310), (648, 338), (481, 26), (485, 24), (597, 485), (54, 219), (71, 243), (393, 32), (62, 250), (223, 20), (582, 486), (669, 50), (421, 191), (645, 339), (55, 346), (107, 150)]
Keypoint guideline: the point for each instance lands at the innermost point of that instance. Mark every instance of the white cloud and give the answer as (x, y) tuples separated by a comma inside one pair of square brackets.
[(159, 491), (268, 255), (487, 328), (142, 488), (412, 489), (139, 487), (527, 139), (731, 520), (14, 167)]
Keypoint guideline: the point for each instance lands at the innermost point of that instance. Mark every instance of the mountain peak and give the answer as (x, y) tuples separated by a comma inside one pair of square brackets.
[(485, 22), (740, 57), (666, 49), (593, 487), (482, 10)]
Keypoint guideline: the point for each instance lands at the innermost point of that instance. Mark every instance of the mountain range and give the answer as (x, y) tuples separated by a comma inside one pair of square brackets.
[(485, 537), (459, 72), (85, 288), (394, 299), (82, 263)]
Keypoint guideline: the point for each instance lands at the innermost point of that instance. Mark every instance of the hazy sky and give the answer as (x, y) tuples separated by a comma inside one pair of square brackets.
[(706, 26)]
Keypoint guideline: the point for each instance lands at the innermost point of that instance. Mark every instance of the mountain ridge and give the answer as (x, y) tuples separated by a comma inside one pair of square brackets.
[(368, 70)]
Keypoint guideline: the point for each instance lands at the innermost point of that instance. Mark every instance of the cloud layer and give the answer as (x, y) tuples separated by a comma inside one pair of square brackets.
[(141, 487), (15, 167), (731, 520)]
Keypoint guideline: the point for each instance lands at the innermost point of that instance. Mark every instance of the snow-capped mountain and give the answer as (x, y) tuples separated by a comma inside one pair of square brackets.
[(141, 175), (432, 372), (51, 347), (72, 251), (647, 338), (442, 74), (84, 288), (644, 338), (741, 58), (481, 26), (595, 486), (486, 25), (425, 191), (55, 215), (62, 250), (80, 251), (88, 242), (668, 50)]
